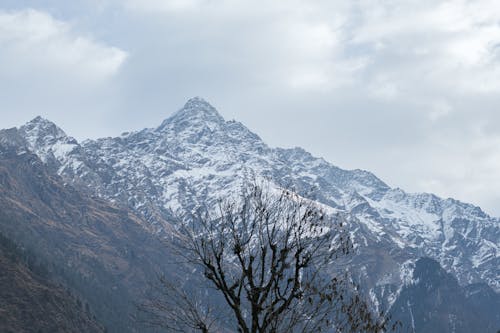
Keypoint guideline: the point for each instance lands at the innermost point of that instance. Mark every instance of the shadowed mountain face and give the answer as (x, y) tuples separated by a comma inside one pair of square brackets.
[(104, 254), (434, 302), (59, 191), (29, 302)]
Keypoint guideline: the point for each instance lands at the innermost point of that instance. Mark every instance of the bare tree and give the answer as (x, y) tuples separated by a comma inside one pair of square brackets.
[(172, 307), (272, 255)]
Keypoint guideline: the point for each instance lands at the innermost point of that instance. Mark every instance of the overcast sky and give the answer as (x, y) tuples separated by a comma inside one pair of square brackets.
[(409, 90)]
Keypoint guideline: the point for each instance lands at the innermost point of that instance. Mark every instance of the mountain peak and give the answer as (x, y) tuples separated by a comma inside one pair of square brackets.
[(197, 102), (200, 107), (195, 110), (41, 124), (40, 130), (39, 121)]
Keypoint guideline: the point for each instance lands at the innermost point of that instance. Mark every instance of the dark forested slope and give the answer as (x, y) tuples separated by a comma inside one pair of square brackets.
[(30, 302), (100, 252)]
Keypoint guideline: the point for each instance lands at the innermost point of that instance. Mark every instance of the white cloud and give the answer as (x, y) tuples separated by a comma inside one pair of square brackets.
[(407, 89), (49, 68), (162, 5), (439, 109), (449, 45), (467, 170), (293, 44), (383, 87), (34, 41), (318, 43)]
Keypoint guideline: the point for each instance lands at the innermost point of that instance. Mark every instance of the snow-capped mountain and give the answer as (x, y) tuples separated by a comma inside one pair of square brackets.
[(195, 156)]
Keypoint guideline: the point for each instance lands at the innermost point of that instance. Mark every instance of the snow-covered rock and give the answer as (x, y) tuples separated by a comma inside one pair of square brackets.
[(195, 157)]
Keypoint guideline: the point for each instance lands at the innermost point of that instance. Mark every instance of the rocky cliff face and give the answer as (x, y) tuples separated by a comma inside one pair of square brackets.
[(195, 157)]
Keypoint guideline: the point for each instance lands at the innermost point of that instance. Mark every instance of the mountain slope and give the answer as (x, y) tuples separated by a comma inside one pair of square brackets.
[(434, 302), (195, 157), (29, 302), (104, 254)]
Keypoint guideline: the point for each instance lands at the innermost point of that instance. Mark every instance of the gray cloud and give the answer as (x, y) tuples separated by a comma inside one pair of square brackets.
[(406, 90)]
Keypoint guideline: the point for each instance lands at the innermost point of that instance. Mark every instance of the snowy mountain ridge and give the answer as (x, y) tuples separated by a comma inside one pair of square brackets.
[(195, 156)]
